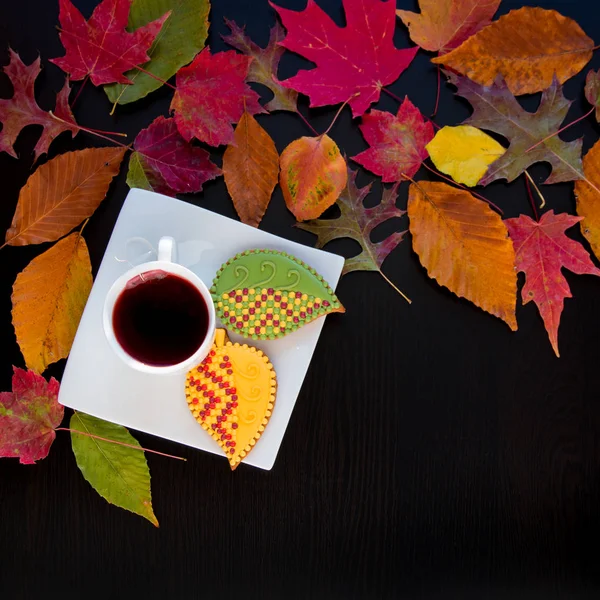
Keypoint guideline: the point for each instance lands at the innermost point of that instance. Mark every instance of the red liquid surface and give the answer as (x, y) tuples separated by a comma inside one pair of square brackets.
[(161, 319)]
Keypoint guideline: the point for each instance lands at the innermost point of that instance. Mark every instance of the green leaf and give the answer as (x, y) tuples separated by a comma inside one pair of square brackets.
[(136, 175), (118, 473), (180, 39)]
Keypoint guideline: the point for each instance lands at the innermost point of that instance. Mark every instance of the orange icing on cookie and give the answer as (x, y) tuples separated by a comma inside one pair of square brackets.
[(231, 394)]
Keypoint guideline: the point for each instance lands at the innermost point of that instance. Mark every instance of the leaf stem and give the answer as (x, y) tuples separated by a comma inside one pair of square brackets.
[(536, 189), (392, 95), (85, 80), (439, 86), (337, 114), (464, 187), (307, 123), (396, 288), (97, 437), (92, 131), (162, 81), (531, 201), (587, 114)]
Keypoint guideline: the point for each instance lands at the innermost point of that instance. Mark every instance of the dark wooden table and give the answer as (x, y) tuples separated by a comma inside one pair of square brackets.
[(432, 453)]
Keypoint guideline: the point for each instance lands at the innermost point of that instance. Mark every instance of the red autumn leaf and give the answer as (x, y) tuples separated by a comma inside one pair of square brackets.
[(100, 47), (22, 110), (170, 164), (28, 417), (211, 95), (541, 250), (353, 62), (397, 142)]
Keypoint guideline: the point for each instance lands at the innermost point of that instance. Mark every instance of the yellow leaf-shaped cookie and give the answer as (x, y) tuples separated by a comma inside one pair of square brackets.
[(464, 152), (231, 394)]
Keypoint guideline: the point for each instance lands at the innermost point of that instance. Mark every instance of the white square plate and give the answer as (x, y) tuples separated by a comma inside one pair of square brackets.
[(97, 382)]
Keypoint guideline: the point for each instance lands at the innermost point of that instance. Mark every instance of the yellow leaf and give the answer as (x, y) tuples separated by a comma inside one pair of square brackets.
[(587, 192), (464, 153), (312, 175), (48, 299), (62, 193), (250, 167), (464, 246)]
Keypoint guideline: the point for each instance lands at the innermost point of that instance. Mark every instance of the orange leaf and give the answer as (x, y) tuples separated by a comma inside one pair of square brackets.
[(464, 246), (251, 166), (527, 46), (48, 298), (587, 192), (62, 193), (313, 175)]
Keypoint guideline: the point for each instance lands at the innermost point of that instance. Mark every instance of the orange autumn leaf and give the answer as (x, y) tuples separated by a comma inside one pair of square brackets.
[(587, 192), (464, 246), (48, 299), (312, 175), (62, 193), (250, 167), (527, 47)]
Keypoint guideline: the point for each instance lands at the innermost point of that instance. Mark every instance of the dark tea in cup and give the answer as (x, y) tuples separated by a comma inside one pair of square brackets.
[(160, 318)]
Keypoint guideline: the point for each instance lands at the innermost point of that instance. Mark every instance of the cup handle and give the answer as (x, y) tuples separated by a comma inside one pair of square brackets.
[(167, 249)]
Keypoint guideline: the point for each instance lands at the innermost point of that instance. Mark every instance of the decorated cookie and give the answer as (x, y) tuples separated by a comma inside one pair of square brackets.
[(231, 394), (265, 294)]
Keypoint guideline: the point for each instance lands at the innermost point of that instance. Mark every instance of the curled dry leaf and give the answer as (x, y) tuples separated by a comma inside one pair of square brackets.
[(48, 299), (464, 246), (62, 193), (28, 417), (118, 473), (265, 61), (353, 62), (397, 142), (587, 193), (182, 36), (496, 109), (212, 93), (22, 110), (442, 25), (165, 163), (250, 167), (541, 250), (592, 91), (464, 152), (312, 175), (553, 45)]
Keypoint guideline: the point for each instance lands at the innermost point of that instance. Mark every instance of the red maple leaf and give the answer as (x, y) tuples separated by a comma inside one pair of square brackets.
[(541, 250), (171, 164), (397, 142), (211, 95), (22, 110), (100, 47), (353, 62), (28, 417)]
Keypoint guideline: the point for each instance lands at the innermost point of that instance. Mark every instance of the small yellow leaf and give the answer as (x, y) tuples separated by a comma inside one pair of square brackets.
[(48, 298), (464, 153)]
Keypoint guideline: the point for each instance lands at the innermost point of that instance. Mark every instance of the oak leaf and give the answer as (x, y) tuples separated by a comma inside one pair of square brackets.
[(528, 47), (48, 299), (211, 95), (496, 109), (265, 61), (165, 163), (28, 417), (182, 36), (357, 222), (592, 91), (115, 466), (101, 48), (397, 142), (587, 193), (312, 175), (464, 246), (61, 194), (442, 25), (353, 62), (541, 250), (464, 152), (22, 110), (250, 167)]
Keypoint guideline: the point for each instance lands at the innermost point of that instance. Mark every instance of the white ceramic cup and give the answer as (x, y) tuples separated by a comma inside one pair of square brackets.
[(166, 257)]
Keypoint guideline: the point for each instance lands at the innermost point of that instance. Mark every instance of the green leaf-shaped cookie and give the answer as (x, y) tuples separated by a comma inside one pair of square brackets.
[(266, 294)]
